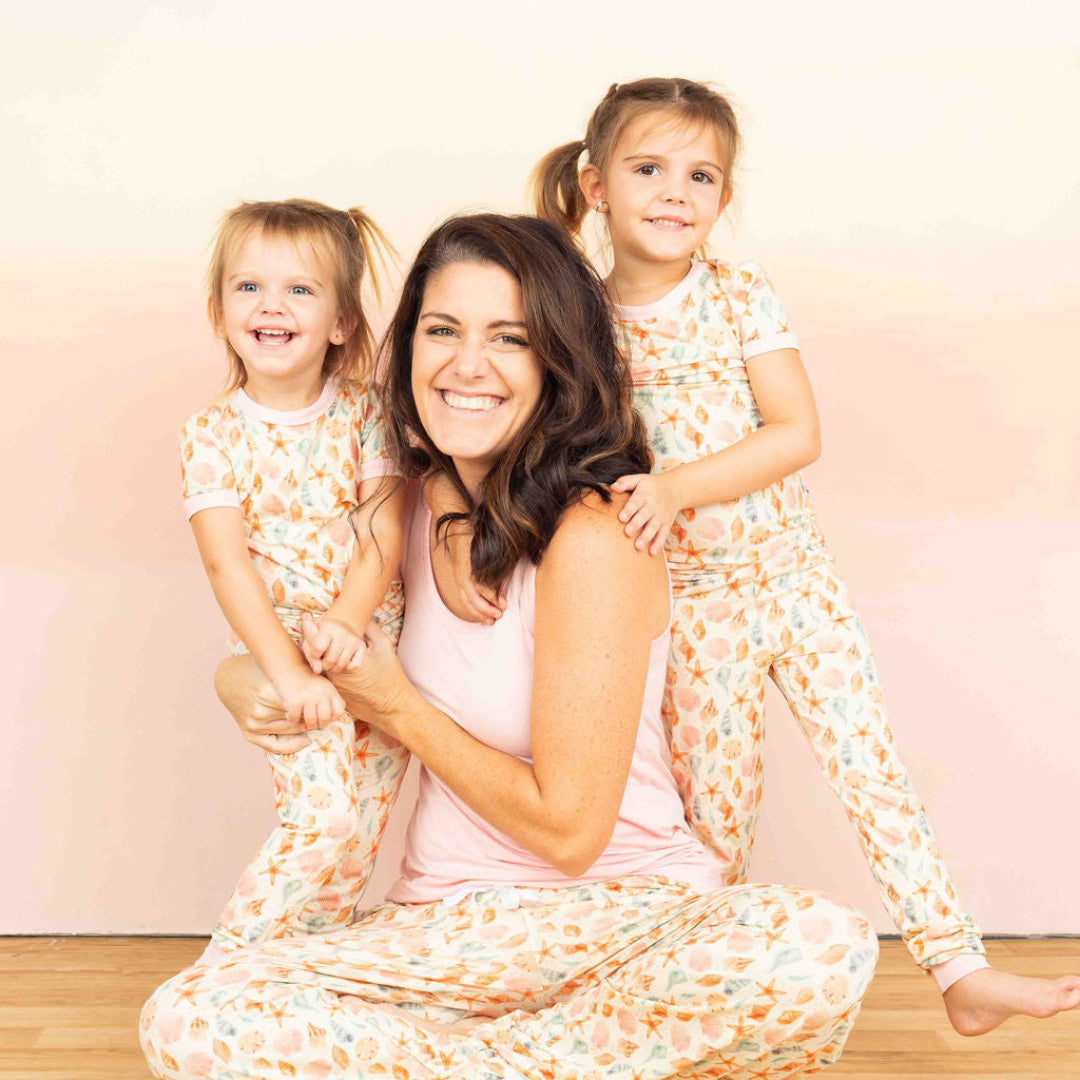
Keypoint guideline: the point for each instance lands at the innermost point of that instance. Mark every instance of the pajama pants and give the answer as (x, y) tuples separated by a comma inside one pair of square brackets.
[(791, 619), (333, 801), (633, 978)]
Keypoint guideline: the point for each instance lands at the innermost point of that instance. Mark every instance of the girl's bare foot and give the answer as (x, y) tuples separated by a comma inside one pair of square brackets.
[(981, 1001)]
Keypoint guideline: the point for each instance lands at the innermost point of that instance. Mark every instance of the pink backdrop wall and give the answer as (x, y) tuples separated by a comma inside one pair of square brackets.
[(916, 206)]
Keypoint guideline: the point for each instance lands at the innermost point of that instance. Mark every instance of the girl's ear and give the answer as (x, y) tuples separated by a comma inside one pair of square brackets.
[(592, 185), (340, 333), (215, 325)]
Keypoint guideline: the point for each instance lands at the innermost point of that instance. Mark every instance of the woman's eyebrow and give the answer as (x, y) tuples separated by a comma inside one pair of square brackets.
[(442, 316), (499, 324)]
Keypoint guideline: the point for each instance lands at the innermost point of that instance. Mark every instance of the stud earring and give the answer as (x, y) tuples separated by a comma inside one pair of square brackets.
[(601, 207)]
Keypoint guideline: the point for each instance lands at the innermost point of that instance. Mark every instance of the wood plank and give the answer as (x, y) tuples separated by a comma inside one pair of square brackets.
[(69, 1009)]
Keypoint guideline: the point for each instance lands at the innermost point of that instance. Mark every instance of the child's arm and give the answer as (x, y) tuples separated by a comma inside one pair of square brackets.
[(219, 533), (452, 561), (380, 527), (788, 439)]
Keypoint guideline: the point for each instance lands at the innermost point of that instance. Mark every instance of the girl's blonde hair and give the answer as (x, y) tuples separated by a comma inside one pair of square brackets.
[(352, 242), (556, 193)]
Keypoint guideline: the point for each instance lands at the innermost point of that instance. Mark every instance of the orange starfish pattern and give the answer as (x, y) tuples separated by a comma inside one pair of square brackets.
[(634, 977), (756, 597)]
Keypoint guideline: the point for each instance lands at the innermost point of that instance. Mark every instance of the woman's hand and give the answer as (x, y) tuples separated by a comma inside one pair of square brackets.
[(979, 1002), (374, 686), (250, 696), (654, 502)]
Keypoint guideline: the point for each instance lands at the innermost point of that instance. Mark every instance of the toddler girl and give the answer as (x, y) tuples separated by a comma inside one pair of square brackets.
[(295, 517)]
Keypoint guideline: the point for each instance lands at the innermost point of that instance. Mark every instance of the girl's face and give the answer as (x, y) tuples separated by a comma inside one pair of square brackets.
[(664, 187), (280, 311), (475, 379)]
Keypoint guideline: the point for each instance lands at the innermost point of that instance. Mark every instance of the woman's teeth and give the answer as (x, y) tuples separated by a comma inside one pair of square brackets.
[(475, 404)]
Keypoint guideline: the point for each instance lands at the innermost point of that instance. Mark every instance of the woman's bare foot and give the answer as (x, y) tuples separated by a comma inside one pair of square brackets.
[(981, 1001)]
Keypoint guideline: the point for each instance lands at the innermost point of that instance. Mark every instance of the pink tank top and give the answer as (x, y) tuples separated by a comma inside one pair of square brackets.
[(481, 676)]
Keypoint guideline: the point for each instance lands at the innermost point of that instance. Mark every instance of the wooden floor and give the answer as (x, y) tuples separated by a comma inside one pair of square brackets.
[(68, 1009)]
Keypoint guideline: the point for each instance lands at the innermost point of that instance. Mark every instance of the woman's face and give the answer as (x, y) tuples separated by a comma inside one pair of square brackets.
[(475, 378)]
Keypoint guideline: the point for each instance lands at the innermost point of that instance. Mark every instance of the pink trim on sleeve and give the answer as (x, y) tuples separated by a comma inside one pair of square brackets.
[(786, 340), (380, 466), (952, 971), (208, 499)]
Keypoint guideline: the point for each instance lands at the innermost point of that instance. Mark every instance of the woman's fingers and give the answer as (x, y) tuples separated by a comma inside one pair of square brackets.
[(279, 744)]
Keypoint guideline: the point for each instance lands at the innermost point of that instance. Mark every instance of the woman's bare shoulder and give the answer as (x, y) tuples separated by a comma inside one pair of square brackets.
[(590, 556)]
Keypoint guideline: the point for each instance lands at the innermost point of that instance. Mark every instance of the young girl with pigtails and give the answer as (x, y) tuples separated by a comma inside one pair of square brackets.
[(718, 378), (286, 487)]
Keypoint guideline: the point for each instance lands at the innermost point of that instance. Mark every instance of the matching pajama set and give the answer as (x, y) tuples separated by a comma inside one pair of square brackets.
[(295, 477), (757, 596), (485, 962)]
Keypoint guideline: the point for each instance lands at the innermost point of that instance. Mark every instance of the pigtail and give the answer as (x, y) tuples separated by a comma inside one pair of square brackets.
[(376, 248), (556, 193), (377, 254)]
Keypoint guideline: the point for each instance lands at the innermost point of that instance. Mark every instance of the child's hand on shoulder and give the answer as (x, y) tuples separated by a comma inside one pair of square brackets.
[(330, 644), (650, 511), (482, 603), (309, 699)]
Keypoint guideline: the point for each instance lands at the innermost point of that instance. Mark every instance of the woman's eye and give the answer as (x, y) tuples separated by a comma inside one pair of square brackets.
[(439, 331), (513, 339), (701, 177)]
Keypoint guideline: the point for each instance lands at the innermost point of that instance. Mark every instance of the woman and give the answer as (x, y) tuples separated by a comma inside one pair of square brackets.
[(554, 917)]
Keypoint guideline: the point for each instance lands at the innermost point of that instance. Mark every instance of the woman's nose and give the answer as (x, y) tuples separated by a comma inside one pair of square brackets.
[(470, 360)]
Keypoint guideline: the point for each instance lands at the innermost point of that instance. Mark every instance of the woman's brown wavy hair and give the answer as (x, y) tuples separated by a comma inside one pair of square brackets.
[(583, 434)]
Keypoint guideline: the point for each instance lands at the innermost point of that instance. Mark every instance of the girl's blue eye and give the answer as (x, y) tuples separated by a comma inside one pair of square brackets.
[(247, 286), (300, 290)]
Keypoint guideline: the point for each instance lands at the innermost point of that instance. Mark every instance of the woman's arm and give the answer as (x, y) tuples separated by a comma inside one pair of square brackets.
[(243, 688), (599, 604), (788, 439)]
